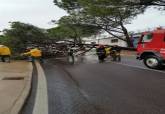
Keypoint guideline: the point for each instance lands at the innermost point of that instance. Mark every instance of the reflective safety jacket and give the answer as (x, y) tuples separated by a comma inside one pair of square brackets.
[(101, 51), (4, 50), (34, 53), (107, 50)]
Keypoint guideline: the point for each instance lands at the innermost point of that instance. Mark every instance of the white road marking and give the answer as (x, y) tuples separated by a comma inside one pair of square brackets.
[(41, 101), (140, 67)]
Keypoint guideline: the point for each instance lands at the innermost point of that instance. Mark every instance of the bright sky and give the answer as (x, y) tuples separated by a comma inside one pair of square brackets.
[(150, 19), (36, 12), (41, 12)]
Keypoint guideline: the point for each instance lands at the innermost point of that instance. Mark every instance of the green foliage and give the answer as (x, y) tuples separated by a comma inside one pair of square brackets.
[(21, 34), (111, 8), (68, 5), (126, 3), (145, 2), (110, 15), (70, 28), (159, 4), (1, 39), (61, 32)]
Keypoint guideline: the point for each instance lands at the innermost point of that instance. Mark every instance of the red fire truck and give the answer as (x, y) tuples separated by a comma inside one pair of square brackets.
[(151, 48)]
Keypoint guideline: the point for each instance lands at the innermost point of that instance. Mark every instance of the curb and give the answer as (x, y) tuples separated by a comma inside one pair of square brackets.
[(41, 101), (20, 101)]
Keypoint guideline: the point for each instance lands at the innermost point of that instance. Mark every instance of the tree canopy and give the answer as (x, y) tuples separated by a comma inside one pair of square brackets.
[(145, 2), (109, 15), (68, 5), (70, 28), (20, 34)]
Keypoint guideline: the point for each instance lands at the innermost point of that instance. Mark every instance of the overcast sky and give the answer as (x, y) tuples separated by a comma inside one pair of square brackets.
[(150, 19), (41, 12), (36, 12)]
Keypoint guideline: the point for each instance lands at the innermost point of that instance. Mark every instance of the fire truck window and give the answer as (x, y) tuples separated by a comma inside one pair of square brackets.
[(147, 38)]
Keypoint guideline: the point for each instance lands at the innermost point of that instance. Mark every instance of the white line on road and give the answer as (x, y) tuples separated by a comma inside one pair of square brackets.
[(140, 67), (41, 101)]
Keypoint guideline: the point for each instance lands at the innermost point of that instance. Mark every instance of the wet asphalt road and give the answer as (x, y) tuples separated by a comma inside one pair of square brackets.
[(89, 87), (64, 95), (104, 88)]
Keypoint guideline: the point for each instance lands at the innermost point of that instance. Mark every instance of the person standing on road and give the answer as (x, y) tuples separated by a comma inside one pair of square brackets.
[(115, 53), (71, 55), (5, 53), (33, 54), (107, 50), (101, 52)]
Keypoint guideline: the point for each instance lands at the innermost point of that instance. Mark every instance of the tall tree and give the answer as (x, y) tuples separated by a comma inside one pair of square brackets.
[(70, 28), (106, 14), (18, 36)]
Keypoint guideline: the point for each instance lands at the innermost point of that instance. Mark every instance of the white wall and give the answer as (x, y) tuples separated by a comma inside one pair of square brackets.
[(109, 41)]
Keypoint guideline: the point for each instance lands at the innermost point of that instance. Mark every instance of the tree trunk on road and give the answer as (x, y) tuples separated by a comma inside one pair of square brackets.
[(128, 40)]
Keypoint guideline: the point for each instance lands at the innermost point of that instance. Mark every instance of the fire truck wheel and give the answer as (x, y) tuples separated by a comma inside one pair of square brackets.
[(152, 62)]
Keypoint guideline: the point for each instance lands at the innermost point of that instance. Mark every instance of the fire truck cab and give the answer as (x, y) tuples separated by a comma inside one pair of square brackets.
[(151, 48)]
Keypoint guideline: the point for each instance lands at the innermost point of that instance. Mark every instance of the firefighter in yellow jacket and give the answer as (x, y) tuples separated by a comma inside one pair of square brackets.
[(34, 53), (5, 53), (115, 53), (107, 50)]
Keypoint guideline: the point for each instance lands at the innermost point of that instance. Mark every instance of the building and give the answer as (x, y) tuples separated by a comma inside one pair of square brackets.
[(112, 41), (106, 41)]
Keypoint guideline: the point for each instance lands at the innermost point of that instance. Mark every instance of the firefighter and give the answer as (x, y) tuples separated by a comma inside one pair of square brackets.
[(34, 53), (101, 52), (107, 50), (115, 53), (71, 58), (5, 53)]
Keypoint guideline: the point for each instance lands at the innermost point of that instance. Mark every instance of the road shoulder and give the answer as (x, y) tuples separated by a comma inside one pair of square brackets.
[(15, 86)]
